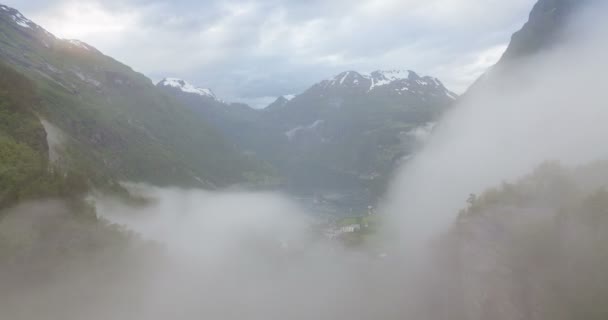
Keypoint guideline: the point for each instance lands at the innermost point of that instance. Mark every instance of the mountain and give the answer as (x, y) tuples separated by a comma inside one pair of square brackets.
[(243, 127), (116, 123), (279, 103), (534, 248), (402, 92), (544, 28), (543, 31), (352, 130), (345, 134), (185, 87)]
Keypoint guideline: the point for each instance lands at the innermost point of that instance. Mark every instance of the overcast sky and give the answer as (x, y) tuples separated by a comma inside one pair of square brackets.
[(255, 50)]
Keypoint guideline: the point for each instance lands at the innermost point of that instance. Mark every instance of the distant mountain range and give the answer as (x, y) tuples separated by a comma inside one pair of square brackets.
[(345, 133)]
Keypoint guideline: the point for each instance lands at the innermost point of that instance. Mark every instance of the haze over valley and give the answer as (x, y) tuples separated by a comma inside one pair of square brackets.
[(385, 194)]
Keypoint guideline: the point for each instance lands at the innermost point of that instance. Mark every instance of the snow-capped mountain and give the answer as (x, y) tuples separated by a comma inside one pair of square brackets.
[(346, 129), (24, 25), (391, 91), (18, 22), (186, 87), (18, 18), (397, 82)]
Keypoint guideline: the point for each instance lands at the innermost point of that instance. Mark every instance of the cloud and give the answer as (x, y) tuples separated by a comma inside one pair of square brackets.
[(249, 49), (81, 20)]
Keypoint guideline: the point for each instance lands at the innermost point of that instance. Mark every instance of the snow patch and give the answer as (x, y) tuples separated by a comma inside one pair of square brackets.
[(187, 87), (344, 78), (382, 78), (21, 20), (87, 79), (289, 97), (79, 44), (451, 95)]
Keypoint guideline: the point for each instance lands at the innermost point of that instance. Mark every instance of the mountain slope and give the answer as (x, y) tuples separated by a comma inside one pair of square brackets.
[(116, 119), (535, 248), (25, 170), (241, 126), (544, 30)]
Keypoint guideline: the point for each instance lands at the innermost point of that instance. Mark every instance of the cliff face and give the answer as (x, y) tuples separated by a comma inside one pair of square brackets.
[(543, 30)]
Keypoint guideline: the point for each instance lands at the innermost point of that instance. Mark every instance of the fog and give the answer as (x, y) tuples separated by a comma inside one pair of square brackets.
[(551, 107), (243, 255), (235, 255)]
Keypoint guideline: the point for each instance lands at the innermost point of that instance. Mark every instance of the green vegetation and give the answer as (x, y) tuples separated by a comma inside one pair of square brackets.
[(41, 238), (371, 221), (542, 243), (23, 149), (118, 125)]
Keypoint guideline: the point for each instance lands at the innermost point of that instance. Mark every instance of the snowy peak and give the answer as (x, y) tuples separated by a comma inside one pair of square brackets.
[(345, 79), (397, 81), (186, 87), (17, 17), (381, 78), (20, 22), (394, 75)]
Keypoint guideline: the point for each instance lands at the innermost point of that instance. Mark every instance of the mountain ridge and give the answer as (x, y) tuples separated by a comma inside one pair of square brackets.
[(348, 132), (117, 119)]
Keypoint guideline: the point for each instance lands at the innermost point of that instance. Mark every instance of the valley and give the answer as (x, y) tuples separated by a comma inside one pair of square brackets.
[(368, 195)]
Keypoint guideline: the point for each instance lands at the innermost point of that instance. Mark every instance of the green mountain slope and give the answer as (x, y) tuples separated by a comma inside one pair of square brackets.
[(117, 122), (25, 171), (534, 247)]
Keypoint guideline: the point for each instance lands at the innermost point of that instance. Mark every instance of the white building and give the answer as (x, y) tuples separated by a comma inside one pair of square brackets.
[(350, 228)]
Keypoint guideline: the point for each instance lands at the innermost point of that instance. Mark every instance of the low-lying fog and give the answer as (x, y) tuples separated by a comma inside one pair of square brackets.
[(246, 255)]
